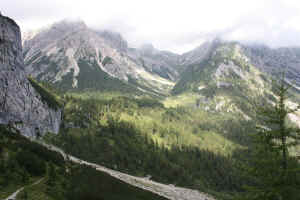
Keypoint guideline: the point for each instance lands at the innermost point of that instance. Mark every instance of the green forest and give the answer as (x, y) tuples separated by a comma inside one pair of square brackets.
[(23, 162), (224, 154)]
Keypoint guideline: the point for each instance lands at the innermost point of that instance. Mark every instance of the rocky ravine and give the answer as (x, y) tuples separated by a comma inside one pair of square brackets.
[(20, 105), (169, 191)]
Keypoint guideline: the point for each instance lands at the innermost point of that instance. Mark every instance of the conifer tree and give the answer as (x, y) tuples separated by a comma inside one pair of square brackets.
[(51, 175), (276, 174)]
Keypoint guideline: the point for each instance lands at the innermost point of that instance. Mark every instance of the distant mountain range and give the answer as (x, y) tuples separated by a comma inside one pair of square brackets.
[(76, 57)]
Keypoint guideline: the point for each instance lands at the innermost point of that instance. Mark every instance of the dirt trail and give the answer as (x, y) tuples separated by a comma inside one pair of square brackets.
[(168, 191), (14, 195)]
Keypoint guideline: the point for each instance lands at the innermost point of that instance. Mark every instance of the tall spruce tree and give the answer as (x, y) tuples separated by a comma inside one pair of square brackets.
[(276, 174)]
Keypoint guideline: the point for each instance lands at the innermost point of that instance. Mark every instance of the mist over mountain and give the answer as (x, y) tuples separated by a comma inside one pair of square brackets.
[(68, 52), (68, 45)]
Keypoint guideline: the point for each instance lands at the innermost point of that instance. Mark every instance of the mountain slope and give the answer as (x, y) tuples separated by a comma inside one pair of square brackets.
[(268, 60), (23, 174), (274, 61), (225, 79), (163, 190), (162, 63), (68, 52)]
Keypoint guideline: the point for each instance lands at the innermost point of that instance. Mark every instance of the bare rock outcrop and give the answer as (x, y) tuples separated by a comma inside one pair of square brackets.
[(20, 105)]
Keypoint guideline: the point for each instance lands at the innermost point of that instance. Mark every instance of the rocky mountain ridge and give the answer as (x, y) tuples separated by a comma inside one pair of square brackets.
[(276, 61), (272, 61), (230, 77), (20, 105), (67, 49), (53, 54)]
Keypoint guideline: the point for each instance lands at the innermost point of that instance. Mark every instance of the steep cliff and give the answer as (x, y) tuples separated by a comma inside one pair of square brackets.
[(20, 105)]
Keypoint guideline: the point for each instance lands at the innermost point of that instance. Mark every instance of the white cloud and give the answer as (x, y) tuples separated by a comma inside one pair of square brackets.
[(176, 25)]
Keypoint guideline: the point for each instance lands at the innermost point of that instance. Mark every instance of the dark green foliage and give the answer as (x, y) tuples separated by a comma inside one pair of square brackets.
[(121, 146), (78, 182), (22, 159), (107, 60), (126, 102), (58, 179), (92, 77), (193, 75), (149, 102), (210, 91), (32, 163), (135, 82), (25, 177), (50, 87), (100, 56), (47, 97), (22, 162), (87, 183), (41, 152), (276, 173), (173, 114), (83, 182), (124, 146), (51, 175), (24, 195), (67, 81)]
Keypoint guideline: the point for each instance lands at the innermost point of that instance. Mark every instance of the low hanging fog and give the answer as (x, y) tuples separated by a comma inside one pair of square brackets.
[(172, 25)]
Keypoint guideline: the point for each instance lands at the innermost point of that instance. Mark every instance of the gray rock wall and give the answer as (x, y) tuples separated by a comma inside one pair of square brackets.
[(20, 104)]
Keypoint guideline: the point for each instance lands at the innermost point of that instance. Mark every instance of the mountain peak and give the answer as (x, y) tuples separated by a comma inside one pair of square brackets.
[(217, 40), (115, 39), (69, 25), (68, 52), (147, 46)]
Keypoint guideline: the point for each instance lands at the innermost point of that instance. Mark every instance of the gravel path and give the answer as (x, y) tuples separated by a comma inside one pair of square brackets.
[(168, 191)]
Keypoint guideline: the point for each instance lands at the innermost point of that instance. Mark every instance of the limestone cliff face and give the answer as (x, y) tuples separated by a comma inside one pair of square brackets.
[(20, 104)]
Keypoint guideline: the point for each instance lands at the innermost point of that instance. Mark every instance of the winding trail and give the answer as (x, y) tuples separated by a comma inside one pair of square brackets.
[(14, 195), (168, 191)]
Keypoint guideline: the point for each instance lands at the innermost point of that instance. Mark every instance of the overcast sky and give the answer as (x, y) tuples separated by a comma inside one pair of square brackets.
[(175, 25)]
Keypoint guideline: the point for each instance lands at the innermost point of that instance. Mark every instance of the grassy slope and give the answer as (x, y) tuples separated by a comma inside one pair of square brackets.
[(195, 127), (108, 130)]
